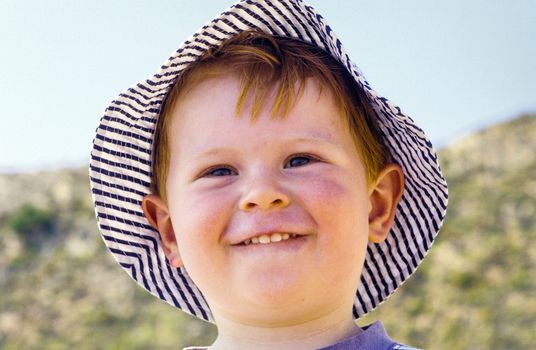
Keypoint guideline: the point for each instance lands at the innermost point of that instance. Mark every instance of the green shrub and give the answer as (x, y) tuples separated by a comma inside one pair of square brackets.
[(33, 224)]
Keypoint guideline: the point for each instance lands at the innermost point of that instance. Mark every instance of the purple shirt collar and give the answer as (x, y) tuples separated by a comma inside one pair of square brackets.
[(373, 337)]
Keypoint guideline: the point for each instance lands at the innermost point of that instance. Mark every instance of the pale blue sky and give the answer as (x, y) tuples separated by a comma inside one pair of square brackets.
[(453, 66)]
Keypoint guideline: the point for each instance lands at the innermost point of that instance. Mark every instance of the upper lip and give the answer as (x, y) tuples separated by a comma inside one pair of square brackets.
[(247, 236), (244, 227)]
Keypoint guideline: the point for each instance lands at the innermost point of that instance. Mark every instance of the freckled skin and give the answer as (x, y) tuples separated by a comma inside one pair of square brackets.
[(327, 199)]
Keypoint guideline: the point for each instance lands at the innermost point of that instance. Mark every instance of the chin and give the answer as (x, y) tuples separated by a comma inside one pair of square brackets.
[(274, 287)]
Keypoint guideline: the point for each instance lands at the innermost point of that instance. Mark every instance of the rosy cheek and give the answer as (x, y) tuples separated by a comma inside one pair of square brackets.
[(199, 222), (326, 201), (324, 191), (201, 216), (339, 207)]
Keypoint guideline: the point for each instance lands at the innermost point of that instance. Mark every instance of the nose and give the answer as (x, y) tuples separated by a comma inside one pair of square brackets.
[(264, 194)]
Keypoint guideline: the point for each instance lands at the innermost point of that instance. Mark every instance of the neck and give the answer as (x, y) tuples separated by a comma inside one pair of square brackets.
[(314, 333)]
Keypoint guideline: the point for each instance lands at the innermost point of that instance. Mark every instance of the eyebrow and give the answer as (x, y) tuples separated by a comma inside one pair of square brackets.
[(318, 137)]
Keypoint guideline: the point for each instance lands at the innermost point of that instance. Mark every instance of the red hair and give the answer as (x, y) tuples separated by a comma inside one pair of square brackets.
[(265, 64)]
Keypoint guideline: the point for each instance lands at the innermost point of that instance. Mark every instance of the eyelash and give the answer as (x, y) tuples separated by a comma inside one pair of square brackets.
[(209, 172), (310, 158)]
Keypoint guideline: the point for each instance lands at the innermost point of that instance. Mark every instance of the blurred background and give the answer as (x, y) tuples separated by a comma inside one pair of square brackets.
[(465, 71)]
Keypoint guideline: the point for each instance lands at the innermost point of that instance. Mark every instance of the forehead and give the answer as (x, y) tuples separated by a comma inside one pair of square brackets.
[(215, 100), (275, 87)]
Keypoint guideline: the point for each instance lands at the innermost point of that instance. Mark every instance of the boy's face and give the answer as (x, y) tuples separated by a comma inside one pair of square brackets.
[(232, 180)]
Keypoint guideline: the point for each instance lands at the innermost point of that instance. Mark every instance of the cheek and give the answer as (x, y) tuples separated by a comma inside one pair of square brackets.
[(199, 220), (340, 209), (199, 210), (337, 201)]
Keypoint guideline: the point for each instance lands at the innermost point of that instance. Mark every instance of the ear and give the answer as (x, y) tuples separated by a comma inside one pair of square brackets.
[(384, 196), (157, 213)]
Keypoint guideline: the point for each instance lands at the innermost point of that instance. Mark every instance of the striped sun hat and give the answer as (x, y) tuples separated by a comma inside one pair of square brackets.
[(120, 169)]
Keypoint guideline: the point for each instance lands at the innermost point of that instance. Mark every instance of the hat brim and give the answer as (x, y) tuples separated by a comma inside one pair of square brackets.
[(120, 168)]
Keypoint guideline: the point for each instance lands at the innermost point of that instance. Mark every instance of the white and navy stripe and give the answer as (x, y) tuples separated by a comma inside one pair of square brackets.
[(120, 169)]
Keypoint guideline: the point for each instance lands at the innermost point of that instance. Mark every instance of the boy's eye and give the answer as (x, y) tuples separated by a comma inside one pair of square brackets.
[(219, 171), (299, 160)]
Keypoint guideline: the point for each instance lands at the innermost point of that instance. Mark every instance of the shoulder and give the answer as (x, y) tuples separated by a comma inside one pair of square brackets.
[(379, 339), (402, 347)]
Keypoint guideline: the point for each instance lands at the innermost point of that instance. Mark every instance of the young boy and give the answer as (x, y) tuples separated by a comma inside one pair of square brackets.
[(259, 183)]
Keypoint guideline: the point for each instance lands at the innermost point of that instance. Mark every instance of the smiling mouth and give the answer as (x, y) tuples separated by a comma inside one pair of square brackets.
[(271, 238)]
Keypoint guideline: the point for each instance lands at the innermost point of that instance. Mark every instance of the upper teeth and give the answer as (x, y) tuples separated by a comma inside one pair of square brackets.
[(274, 237)]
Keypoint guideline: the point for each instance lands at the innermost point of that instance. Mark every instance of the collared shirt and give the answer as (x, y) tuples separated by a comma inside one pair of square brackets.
[(373, 337)]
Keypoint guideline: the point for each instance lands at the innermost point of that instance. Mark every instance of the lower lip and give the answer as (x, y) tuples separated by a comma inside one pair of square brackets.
[(290, 245)]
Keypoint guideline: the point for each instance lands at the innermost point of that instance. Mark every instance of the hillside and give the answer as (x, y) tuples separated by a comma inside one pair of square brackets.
[(60, 289), (476, 288)]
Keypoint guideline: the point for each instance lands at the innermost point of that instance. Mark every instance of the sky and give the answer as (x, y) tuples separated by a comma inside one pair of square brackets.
[(454, 66)]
